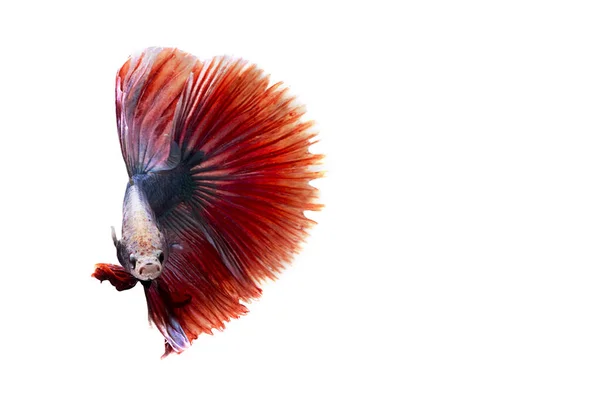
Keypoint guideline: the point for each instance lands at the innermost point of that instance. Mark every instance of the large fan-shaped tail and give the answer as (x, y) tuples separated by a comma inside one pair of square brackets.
[(244, 146)]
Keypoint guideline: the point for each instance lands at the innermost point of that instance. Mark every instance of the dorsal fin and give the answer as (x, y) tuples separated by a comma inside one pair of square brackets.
[(148, 88)]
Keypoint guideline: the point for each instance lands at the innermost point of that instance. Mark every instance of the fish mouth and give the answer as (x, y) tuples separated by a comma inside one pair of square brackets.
[(147, 271)]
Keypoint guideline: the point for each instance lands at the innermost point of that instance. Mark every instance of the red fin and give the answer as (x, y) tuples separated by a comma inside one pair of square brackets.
[(183, 303), (116, 275), (205, 258), (251, 187), (147, 90)]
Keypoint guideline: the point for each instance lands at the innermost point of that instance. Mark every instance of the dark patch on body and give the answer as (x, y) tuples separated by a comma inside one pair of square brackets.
[(166, 189)]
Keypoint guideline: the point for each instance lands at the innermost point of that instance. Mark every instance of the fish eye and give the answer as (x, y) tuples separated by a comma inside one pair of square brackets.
[(132, 259), (161, 257)]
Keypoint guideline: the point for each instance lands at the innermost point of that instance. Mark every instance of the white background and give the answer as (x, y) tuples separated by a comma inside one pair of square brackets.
[(458, 255)]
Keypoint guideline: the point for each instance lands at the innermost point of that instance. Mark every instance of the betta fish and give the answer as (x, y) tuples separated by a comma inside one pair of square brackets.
[(219, 179)]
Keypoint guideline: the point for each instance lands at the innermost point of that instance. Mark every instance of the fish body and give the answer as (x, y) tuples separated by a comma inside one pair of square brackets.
[(143, 246), (219, 173)]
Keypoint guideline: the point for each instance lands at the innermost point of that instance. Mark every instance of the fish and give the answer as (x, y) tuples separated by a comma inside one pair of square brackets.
[(220, 177)]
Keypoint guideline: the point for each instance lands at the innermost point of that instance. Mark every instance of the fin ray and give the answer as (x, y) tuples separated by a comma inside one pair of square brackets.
[(148, 89)]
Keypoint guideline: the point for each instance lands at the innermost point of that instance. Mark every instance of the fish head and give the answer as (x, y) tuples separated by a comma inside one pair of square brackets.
[(144, 260), (146, 265)]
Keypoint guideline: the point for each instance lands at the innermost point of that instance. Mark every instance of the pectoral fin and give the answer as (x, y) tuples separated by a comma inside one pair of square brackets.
[(114, 236), (116, 275)]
